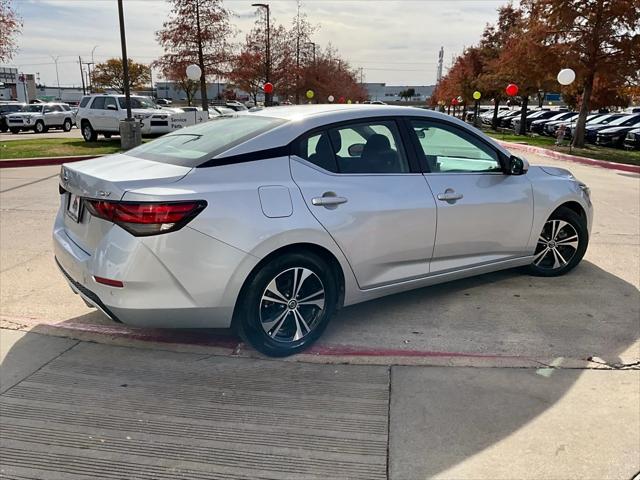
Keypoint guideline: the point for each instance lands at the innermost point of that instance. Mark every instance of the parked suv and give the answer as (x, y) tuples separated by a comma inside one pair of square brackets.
[(101, 114), (7, 108), (40, 117)]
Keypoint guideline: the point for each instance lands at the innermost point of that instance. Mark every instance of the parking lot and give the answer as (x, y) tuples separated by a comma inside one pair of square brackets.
[(572, 413)]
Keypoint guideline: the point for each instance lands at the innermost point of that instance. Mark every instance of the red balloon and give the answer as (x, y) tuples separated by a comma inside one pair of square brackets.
[(268, 87), (454, 101), (512, 89), (341, 100)]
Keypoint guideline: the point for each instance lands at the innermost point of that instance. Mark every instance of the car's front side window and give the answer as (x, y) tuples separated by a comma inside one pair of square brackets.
[(98, 103), (447, 149), (110, 101)]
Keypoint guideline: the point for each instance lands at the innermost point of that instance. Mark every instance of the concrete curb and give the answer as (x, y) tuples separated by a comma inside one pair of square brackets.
[(43, 161), (571, 158), (227, 345)]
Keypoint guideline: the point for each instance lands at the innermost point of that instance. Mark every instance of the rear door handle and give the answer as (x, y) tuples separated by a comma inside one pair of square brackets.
[(449, 195), (328, 201)]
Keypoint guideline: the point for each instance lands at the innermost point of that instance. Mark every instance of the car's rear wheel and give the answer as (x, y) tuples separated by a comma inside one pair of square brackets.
[(66, 126), (561, 244), (107, 135), (286, 305), (88, 133), (40, 127)]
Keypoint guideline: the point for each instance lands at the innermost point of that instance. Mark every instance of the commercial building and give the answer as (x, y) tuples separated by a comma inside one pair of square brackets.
[(391, 93), (16, 85)]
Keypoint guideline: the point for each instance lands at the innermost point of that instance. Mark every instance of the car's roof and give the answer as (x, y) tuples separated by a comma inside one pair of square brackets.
[(299, 119), (298, 112)]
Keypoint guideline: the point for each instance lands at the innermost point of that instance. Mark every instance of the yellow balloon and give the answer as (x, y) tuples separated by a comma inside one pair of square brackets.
[(477, 95), (310, 94), (349, 102)]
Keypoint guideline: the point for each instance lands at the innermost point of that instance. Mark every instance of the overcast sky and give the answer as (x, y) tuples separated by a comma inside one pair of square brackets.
[(396, 42)]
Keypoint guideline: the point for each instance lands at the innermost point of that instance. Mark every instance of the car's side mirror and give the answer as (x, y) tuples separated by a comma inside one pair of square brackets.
[(517, 165), (356, 149), (112, 107)]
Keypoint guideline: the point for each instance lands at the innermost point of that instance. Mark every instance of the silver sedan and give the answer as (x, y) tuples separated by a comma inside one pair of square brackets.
[(268, 222)]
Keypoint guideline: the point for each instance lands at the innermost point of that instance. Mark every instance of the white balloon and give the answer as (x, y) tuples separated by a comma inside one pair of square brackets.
[(566, 76), (331, 98), (194, 72)]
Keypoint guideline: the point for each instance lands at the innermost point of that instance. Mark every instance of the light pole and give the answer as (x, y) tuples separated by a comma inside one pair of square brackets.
[(313, 46), (55, 60), (130, 131), (93, 62), (267, 63)]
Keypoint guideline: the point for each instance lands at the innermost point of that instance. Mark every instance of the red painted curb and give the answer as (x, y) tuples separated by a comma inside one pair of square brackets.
[(41, 162), (571, 158), (210, 339)]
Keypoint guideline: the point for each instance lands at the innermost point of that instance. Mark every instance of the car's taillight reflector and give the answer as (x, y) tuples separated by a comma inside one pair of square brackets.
[(109, 281), (142, 218)]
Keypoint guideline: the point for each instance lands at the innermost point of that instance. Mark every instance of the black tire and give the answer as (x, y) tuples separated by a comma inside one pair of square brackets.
[(254, 313), (107, 135), (15, 131), (88, 133), (66, 126), (562, 252), (40, 127), (4, 128)]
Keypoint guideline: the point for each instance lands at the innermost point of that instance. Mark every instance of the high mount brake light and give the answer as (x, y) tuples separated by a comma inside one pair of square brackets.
[(143, 219)]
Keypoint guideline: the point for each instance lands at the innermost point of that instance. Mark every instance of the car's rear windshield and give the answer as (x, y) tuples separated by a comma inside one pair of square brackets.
[(195, 145)]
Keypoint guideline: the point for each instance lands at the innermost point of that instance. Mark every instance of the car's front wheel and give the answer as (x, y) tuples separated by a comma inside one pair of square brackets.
[(66, 126), (15, 131), (40, 127), (561, 244), (88, 133), (287, 304)]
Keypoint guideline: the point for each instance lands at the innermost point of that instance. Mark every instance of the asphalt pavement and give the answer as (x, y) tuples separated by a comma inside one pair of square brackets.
[(546, 381)]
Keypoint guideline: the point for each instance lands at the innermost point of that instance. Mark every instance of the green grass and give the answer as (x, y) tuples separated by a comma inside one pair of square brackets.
[(56, 147), (618, 155)]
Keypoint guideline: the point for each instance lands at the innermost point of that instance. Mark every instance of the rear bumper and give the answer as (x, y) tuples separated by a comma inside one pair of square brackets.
[(183, 279)]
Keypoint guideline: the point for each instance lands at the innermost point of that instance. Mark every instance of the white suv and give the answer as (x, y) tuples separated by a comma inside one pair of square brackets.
[(101, 114), (40, 117)]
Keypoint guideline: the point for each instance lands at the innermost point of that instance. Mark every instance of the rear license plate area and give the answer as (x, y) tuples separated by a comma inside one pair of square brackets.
[(74, 207)]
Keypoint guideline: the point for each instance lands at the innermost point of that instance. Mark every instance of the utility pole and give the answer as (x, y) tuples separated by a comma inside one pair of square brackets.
[(440, 60), (203, 78), (55, 60), (267, 66), (84, 90), (151, 79)]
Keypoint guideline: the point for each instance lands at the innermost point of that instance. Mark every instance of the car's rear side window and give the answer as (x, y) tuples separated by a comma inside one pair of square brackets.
[(195, 145), (98, 103)]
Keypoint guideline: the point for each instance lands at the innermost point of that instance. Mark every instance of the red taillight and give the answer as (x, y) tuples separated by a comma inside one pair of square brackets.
[(146, 218)]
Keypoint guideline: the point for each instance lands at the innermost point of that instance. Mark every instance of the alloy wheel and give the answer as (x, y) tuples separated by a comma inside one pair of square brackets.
[(557, 245), (292, 304)]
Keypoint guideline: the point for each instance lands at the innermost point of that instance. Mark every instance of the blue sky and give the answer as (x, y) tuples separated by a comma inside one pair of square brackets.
[(393, 41)]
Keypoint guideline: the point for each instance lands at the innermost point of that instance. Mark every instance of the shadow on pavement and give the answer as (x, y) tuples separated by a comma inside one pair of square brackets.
[(440, 416)]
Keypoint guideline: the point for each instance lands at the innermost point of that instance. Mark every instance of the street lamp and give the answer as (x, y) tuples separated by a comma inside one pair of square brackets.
[(130, 131), (90, 66), (267, 63)]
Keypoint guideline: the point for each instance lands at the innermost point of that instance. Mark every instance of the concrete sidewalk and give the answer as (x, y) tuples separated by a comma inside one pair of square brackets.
[(72, 410)]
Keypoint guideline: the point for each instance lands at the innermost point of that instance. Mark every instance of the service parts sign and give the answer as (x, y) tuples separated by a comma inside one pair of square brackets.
[(186, 119)]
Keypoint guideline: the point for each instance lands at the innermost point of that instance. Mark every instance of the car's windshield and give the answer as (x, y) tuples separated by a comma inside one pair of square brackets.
[(136, 102), (626, 120), (194, 145), (11, 108), (34, 108), (605, 119)]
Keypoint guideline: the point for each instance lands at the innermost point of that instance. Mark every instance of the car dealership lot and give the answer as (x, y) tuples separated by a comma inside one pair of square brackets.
[(450, 423)]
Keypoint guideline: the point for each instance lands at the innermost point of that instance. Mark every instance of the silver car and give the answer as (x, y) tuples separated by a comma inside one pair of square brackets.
[(269, 222)]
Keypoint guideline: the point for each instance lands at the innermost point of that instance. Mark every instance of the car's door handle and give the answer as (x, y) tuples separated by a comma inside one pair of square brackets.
[(449, 196), (328, 200)]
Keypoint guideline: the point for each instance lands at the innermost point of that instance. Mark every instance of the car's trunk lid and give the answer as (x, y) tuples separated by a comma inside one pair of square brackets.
[(109, 178)]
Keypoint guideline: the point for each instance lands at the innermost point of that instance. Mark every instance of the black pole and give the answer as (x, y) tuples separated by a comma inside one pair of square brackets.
[(125, 60), (84, 91), (203, 78), (268, 99)]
